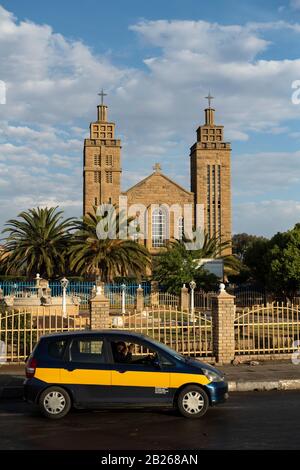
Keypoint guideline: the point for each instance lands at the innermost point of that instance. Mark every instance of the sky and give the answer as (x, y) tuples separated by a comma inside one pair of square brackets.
[(157, 61)]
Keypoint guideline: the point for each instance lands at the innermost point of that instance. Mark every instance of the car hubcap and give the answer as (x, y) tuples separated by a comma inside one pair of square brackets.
[(193, 402), (54, 402)]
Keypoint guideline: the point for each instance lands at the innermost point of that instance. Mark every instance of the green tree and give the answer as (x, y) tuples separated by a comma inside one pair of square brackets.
[(275, 263), (106, 258), (241, 242), (284, 262), (174, 267), (37, 242), (256, 260), (244, 246)]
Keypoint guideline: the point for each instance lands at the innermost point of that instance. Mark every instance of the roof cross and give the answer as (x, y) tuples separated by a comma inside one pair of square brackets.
[(102, 94), (209, 98)]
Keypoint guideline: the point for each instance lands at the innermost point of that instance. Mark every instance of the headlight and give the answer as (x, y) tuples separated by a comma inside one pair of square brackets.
[(212, 376)]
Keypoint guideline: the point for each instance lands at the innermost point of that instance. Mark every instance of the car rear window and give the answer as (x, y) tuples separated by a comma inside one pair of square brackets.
[(87, 350), (57, 348)]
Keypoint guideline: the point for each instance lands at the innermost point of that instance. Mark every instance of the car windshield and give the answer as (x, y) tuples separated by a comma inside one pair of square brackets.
[(168, 350)]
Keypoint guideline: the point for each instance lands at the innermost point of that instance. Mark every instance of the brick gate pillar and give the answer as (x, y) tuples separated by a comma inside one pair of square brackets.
[(185, 299), (223, 313), (99, 310)]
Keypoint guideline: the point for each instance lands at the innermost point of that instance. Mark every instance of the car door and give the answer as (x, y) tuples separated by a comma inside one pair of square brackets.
[(86, 371), (138, 383)]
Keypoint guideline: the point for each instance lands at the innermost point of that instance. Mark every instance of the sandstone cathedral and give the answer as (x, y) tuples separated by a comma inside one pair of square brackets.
[(160, 204)]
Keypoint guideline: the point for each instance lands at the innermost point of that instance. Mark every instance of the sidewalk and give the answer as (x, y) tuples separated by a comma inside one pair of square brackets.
[(267, 375)]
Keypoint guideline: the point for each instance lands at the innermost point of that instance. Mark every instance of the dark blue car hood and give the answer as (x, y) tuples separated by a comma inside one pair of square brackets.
[(199, 365)]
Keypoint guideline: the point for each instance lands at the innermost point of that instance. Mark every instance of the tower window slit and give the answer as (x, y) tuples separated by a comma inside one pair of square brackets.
[(97, 176)]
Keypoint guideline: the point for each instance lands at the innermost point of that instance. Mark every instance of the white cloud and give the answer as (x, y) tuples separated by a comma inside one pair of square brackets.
[(295, 135), (266, 217), (49, 78), (258, 173), (295, 4), (213, 40)]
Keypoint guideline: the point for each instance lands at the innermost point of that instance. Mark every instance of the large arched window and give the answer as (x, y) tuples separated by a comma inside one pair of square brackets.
[(159, 227)]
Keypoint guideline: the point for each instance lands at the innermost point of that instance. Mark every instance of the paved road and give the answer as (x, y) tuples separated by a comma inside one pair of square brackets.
[(256, 420)]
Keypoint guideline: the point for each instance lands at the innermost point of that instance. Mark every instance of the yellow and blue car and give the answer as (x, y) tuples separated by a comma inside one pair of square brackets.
[(117, 368)]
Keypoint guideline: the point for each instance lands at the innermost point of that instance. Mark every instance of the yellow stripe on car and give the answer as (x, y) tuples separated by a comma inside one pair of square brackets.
[(141, 379), (178, 379), (115, 378)]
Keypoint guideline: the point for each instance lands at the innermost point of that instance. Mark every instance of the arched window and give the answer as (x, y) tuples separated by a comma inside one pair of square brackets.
[(159, 227), (180, 228)]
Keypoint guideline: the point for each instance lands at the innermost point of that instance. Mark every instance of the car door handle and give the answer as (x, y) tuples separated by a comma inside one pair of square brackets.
[(70, 369), (122, 371)]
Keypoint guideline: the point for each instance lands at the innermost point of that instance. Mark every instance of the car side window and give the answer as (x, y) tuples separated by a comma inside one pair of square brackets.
[(56, 349), (165, 361), (87, 350), (135, 353)]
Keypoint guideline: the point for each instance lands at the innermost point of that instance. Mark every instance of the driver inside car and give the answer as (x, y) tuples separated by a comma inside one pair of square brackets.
[(122, 353), (146, 357)]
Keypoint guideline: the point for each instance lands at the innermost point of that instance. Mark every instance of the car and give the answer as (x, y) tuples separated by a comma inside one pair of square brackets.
[(111, 368)]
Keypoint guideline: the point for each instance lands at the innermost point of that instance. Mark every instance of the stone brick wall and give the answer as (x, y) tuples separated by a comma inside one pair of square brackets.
[(99, 311), (223, 312)]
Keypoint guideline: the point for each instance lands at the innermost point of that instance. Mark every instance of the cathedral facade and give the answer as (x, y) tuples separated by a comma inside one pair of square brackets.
[(163, 209)]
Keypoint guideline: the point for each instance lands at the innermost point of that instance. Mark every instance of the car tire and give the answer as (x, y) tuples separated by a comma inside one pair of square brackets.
[(192, 402), (54, 402)]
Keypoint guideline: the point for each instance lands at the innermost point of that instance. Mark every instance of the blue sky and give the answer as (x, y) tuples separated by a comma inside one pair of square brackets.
[(157, 60)]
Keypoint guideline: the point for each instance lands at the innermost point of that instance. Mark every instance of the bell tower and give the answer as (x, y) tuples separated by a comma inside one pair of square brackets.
[(101, 162), (211, 177)]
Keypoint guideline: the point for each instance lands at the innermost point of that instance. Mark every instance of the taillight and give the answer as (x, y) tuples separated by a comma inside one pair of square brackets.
[(30, 367)]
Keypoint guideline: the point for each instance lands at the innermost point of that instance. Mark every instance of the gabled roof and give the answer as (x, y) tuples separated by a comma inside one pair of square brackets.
[(157, 173)]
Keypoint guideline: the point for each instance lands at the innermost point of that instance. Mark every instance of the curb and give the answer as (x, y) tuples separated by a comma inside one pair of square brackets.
[(260, 386)]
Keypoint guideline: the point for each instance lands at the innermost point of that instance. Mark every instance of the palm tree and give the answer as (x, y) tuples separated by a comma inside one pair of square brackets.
[(109, 257), (37, 242)]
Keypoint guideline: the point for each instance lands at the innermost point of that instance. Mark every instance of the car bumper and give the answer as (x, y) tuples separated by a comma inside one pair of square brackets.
[(218, 392)]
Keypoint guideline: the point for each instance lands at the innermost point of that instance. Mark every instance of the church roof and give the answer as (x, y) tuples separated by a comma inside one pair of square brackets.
[(157, 172)]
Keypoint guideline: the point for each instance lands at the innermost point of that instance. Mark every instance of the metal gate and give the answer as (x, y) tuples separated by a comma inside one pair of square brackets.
[(20, 330), (186, 333), (268, 329)]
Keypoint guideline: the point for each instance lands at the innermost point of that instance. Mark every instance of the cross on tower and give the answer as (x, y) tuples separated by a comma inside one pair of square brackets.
[(157, 167), (102, 94), (209, 98)]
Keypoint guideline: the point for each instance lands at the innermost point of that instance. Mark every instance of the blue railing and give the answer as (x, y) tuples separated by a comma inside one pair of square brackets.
[(81, 289), (11, 287)]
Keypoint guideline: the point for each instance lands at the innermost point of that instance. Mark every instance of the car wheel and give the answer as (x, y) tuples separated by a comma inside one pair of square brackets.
[(55, 402), (192, 402)]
